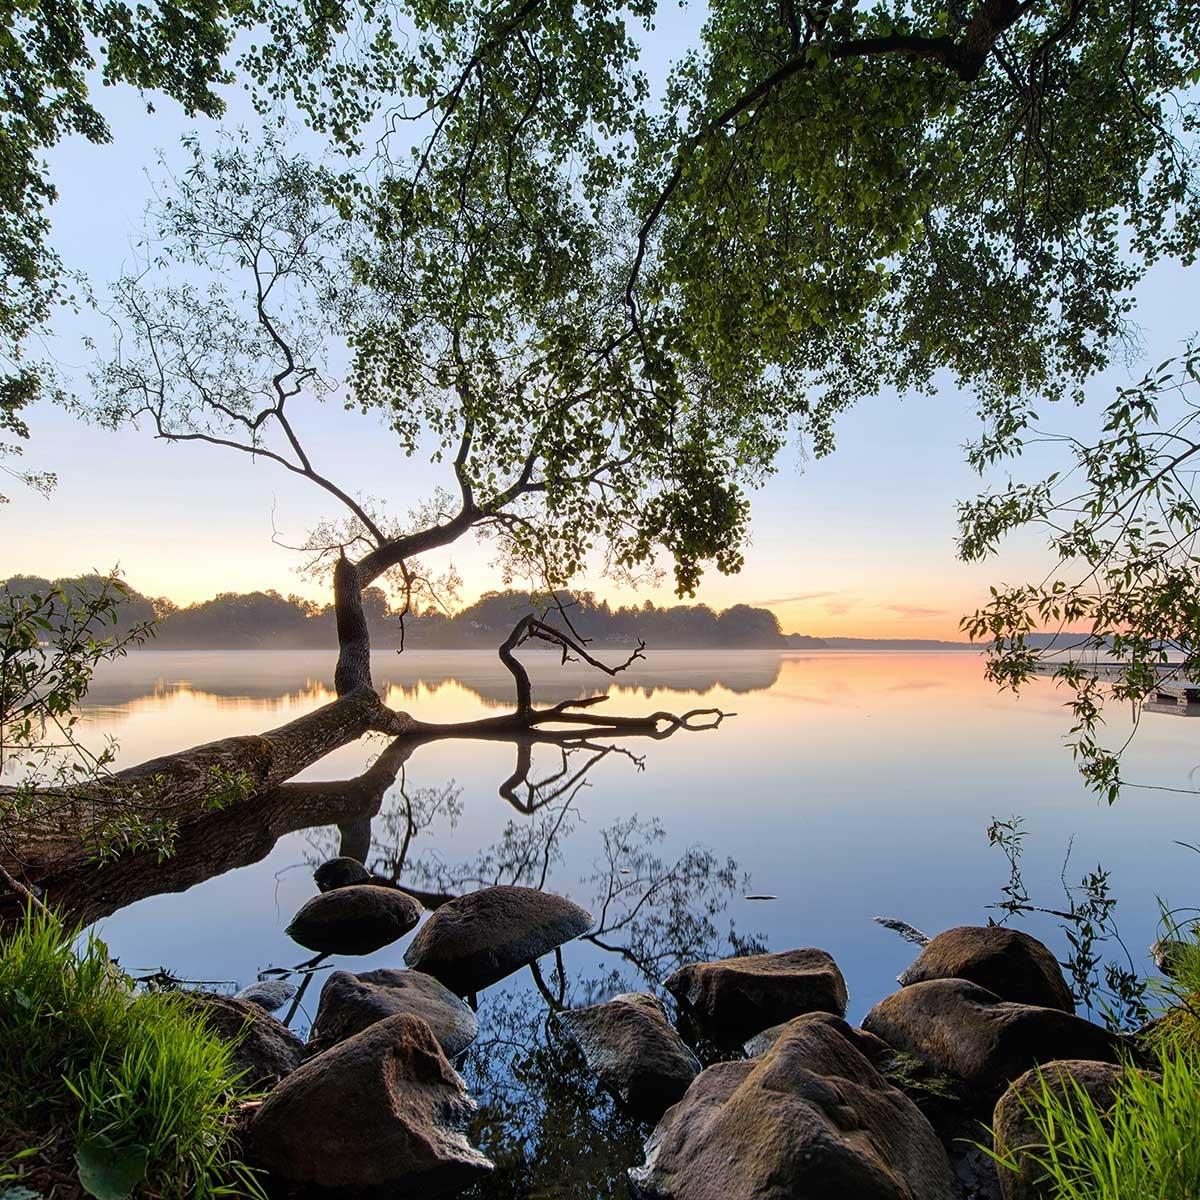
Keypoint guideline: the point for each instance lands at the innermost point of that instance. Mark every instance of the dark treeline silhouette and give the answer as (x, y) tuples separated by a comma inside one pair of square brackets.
[(268, 620)]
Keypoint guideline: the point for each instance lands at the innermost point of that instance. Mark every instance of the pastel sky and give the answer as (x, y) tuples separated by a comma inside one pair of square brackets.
[(860, 543)]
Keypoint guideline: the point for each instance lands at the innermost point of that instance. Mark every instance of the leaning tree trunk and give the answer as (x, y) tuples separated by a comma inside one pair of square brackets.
[(70, 823)]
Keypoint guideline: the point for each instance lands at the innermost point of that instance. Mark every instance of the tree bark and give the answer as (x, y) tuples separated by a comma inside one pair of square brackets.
[(180, 787), (354, 638)]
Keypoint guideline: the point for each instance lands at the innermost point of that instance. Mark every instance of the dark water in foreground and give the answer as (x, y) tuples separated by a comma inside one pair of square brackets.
[(847, 786)]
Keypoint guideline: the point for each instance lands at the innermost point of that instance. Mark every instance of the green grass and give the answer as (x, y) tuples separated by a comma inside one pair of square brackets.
[(130, 1089), (1146, 1146)]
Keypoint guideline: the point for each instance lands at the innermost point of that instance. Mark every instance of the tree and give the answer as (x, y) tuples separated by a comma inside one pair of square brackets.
[(52, 639), (176, 50), (1121, 524)]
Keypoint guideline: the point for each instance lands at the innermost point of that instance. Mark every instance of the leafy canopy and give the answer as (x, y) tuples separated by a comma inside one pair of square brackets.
[(540, 261)]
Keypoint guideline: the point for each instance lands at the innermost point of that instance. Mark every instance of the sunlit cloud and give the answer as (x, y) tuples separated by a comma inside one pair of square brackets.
[(914, 610), (795, 598)]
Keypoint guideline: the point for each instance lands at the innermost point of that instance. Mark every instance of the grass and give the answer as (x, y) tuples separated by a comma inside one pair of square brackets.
[(1144, 1146), (121, 1093)]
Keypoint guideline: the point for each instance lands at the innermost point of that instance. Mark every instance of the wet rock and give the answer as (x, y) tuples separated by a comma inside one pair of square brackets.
[(382, 1113), (969, 1032), (811, 1118), (266, 1049), (477, 939), (1006, 961), (735, 998), (633, 1049), (350, 1003), (1017, 1136), (872, 1048), (268, 994), (358, 919), (341, 872)]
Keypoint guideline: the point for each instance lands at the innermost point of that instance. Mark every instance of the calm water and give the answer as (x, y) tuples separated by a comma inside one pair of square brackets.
[(847, 786)]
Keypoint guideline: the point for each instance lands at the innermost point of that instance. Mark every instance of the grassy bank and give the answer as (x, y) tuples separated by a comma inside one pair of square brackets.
[(106, 1092), (1144, 1143)]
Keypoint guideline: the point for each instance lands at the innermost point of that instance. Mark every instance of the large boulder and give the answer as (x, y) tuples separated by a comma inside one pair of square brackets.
[(477, 939), (381, 1114), (358, 919), (350, 1003), (1006, 961), (265, 1049), (735, 998), (970, 1033), (1017, 1138), (811, 1118), (633, 1049)]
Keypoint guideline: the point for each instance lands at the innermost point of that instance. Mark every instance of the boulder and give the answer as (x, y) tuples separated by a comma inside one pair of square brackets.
[(633, 1049), (735, 998), (380, 1114), (477, 939), (970, 1033), (358, 919), (874, 1049), (268, 994), (266, 1049), (350, 1003), (811, 1118), (339, 873), (1006, 961), (1017, 1137)]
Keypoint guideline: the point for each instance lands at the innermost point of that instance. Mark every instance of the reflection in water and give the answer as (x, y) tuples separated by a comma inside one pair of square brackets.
[(848, 786)]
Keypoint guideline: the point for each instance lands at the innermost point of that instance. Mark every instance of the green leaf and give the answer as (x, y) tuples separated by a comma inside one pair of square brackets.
[(108, 1171), (20, 1192)]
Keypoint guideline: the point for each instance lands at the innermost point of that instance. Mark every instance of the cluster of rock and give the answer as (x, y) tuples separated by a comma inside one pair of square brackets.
[(371, 1104), (812, 1106), (889, 1111)]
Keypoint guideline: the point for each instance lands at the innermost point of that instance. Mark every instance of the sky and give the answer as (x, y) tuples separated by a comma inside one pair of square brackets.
[(861, 543)]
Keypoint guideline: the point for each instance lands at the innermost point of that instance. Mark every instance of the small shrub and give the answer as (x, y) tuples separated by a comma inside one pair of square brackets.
[(130, 1090)]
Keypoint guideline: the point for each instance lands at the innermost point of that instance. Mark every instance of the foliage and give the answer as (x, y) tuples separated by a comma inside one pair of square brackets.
[(1121, 525), (115, 1079), (50, 51), (606, 310), (51, 642), (1111, 988), (1144, 1145)]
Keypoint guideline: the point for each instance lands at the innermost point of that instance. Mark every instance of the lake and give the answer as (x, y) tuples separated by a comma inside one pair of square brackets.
[(847, 786)]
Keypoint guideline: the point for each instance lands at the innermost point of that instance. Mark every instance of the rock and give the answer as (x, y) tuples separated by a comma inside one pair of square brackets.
[(970, 1033), (268, 994), (811, 1118), (350, 1003), (633, 1049), (1170, 955), (874, 1049), (358, 919), (266, 1050), (477, 939), (339, 873), (735, 998), (382, 1113), (1017, 1136), (1006, 961)]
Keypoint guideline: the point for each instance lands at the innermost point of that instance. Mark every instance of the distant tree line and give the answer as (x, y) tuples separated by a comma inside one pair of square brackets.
[(269, 620)]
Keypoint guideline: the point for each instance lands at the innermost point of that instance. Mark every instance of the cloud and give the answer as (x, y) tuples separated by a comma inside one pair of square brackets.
[(796, 598), (913, 610)]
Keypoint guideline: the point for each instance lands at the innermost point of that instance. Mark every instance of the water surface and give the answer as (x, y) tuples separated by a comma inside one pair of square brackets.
[(847, 786)]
